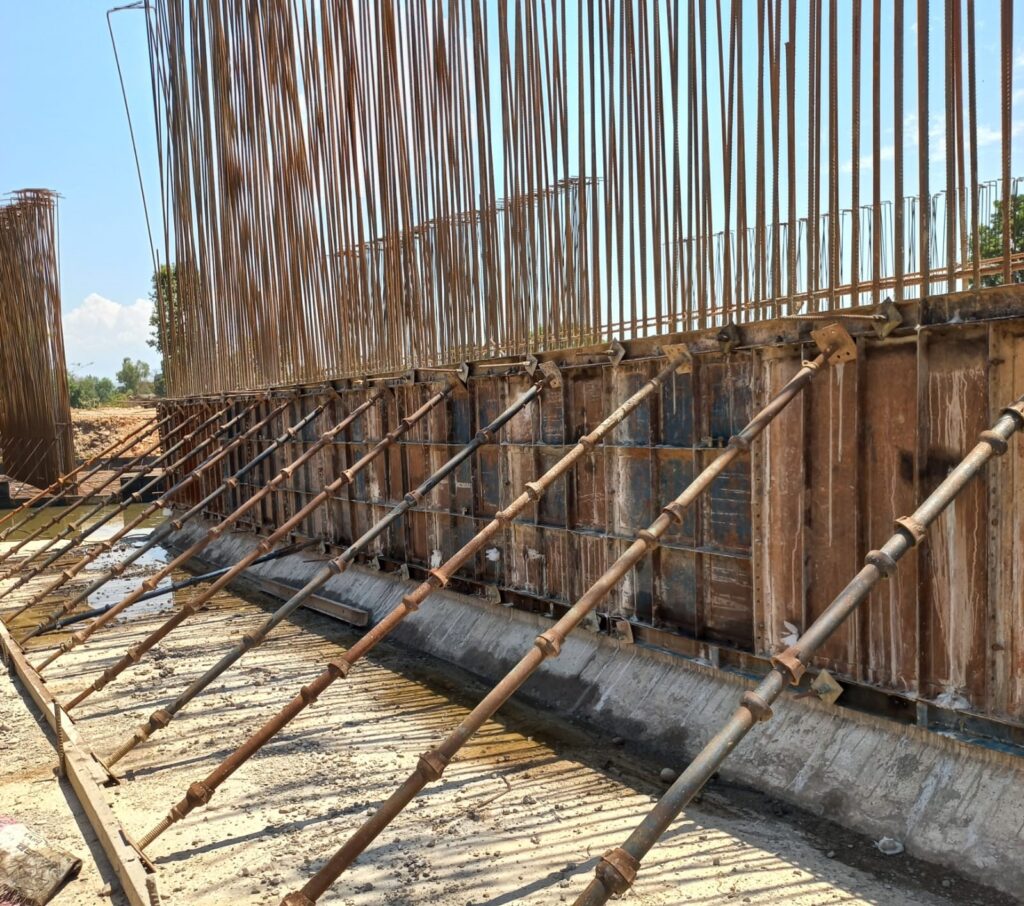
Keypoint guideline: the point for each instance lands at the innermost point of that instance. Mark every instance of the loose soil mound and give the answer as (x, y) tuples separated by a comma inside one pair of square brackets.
[(96, 429)]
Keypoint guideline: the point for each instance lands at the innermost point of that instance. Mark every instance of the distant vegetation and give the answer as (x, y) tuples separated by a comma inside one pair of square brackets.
[(133, 379)]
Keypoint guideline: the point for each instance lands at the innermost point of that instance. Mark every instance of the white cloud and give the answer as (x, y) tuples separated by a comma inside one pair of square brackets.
[(99, 333), (886, 152)]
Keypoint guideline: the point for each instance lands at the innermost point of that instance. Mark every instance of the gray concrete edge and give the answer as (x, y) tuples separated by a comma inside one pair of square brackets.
[(949, 802)]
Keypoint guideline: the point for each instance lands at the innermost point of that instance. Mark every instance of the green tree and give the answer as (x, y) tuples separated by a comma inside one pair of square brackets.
[(159, 384), (133, 377), (990, 238), (164, 295), (88, 391)]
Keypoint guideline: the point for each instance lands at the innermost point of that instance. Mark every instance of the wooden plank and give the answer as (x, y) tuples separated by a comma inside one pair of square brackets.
[(888, 619), (1006, 564), (954, 583), (81, 767), (778, 548)]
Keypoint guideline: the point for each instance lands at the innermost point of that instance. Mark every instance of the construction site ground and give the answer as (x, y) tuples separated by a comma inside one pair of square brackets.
[(520, 817), (95, 429)]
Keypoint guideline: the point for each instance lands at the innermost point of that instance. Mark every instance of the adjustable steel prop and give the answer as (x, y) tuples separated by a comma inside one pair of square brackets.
[(835, 345), (160, 718), (618, 867), (215, 531), (199, 793), (134, 654)]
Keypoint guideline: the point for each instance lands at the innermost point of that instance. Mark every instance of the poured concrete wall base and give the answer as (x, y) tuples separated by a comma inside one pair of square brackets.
[(949, 802)]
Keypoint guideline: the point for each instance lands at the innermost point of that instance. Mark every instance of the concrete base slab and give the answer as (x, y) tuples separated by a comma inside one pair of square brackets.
[(950, 802)]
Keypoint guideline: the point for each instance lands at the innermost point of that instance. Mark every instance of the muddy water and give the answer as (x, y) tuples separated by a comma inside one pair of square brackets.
[(521, 815)]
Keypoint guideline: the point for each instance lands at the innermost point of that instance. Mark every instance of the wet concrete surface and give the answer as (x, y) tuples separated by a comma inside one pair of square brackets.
[(521, 815)]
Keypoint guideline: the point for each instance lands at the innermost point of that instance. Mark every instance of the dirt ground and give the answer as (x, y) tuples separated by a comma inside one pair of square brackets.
[(96, 429), (520, 817)]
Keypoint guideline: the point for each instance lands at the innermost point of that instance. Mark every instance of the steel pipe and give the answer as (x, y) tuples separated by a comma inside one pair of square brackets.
[(548, 644), (215, 531), (199, 793), (134, 654), (618, 868), (164, 500), (161, 717)]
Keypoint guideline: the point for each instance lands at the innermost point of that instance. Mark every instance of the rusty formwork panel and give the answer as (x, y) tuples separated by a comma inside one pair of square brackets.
[(778, 533)]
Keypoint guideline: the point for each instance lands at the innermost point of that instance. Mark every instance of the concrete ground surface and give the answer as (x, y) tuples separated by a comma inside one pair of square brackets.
[(521, 815)]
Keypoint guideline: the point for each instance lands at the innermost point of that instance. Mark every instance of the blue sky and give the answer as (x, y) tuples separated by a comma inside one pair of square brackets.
[(64, 128)]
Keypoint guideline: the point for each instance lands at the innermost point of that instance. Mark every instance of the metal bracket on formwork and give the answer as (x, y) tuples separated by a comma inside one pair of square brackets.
[(531, 365), (616, 352), (728, 338), (835, 336), (551, 372), (674, 350), (403, 571), (623, 631), (374, 563), (887, 318), (492, 594), (826, 688)]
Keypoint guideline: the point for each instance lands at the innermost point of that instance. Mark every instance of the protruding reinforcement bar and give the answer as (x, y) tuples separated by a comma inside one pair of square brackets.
[(199, 793), (134, 654), (161, 717), (214, 532), (548, 644), (618, 867)]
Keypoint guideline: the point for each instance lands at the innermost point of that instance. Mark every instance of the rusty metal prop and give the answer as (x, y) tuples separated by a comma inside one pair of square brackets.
[(567, 174), (216, 531), (69, 480), (136, 652), (112, 479), (618, 868), (164, 500), (160, 718), (91, 467), (115, 496), (36, 439), (199, 793), (835, 345)]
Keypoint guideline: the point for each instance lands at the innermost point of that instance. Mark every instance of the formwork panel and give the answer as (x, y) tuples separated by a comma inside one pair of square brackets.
[(675, 590), (954, 561), (675, 470), (832, 505), (589, 508), (779, 533), (677, 411), (888, 619), (1006, 561)]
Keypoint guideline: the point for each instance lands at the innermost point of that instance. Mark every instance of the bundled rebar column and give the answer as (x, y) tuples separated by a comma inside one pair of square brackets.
[(93, 466), (67, 482), (164, 500), (160, 718), (618, 867), (126, 501), (199, 793), (134, 654), (217, 530), (548, 644), (109, 498)]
